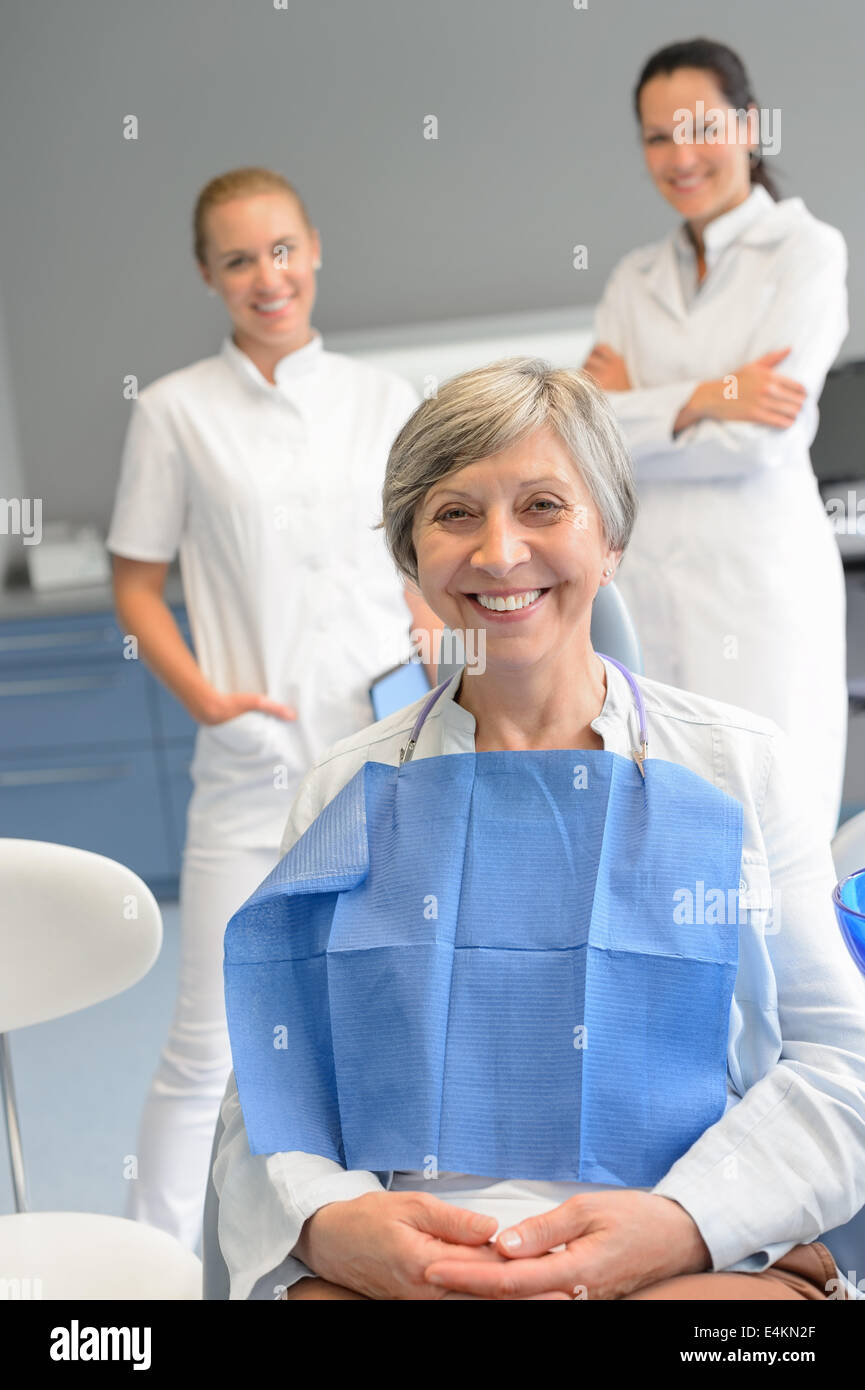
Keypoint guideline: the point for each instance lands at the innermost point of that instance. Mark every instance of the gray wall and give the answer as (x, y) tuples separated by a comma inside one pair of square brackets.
[(11, 475), (536, 152)]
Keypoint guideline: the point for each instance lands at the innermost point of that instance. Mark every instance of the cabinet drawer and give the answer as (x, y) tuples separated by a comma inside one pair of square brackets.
[(64, 681), (52, 706), (171, 718), (105, 802), (79, 636), (174, 761)]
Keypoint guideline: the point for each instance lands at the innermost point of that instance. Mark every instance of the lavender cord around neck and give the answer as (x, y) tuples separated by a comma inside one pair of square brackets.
[(406, 753)]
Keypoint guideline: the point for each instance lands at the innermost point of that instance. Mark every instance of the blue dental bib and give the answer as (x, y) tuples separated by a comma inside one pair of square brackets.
[(478, 961)]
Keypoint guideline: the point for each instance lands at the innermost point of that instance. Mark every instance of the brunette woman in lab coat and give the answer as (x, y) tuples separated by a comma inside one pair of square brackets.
[(714, 345), (262, 465)]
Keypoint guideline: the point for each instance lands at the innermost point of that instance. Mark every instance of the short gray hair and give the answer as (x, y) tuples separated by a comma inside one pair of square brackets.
[(486, 410)]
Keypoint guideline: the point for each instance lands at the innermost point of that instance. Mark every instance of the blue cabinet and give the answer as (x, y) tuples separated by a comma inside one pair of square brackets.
[(98, 800), (94, 752)]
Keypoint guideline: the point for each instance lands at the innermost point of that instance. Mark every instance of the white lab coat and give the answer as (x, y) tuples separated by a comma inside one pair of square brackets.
[(733, 575), (269, 492)]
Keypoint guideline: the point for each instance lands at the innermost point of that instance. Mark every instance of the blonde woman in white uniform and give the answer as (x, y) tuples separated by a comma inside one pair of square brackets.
[(263, 465), (714, 345)]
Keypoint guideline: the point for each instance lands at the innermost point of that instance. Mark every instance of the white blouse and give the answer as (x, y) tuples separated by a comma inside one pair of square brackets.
[(786, 1162)]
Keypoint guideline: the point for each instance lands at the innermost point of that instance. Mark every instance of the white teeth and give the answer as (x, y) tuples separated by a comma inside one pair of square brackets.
[(501, 605), (272, 307)]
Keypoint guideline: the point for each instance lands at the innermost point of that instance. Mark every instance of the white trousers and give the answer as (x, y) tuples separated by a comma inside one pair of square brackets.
[(179, 1118)]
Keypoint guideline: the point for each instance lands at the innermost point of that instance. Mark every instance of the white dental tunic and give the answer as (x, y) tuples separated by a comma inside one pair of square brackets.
[(270, 493), (786, 1162), (733, 575)]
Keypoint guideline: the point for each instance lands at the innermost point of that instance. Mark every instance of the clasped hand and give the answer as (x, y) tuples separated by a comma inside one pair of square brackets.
[(411, 1245)]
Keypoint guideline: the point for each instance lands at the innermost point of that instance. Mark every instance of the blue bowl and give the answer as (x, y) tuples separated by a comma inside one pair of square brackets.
[(849, 902)]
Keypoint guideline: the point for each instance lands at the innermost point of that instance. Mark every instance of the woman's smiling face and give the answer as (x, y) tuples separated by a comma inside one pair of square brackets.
[(515, 523), (261, 259), (701, 179)]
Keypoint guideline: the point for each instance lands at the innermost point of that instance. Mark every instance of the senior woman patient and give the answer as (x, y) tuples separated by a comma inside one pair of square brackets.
[(545, 998)]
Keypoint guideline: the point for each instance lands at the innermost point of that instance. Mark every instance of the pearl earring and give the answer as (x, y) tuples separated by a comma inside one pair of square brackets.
[(608, 571), (317, 265)]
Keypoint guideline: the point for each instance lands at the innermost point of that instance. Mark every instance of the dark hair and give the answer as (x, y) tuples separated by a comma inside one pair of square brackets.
[(733, 80)]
